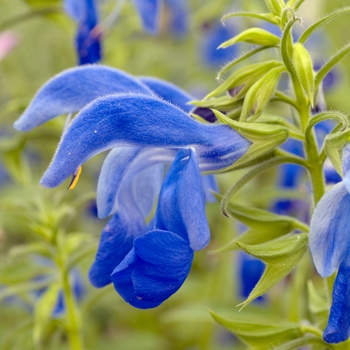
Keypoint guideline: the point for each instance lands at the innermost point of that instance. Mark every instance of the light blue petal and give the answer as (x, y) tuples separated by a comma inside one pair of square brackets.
[(75, 8), (169, 92), (73, 89), (143, 121), (181, 205), (178, 16), (125, 162), (346, 165), (338, 327), (149, 12), (210, 184), (329, 239), (154, 270)]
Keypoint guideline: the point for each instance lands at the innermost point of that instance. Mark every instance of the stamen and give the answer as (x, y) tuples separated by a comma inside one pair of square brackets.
[(75, 178)]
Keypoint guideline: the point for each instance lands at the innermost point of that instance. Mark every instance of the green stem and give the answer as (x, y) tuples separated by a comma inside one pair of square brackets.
[(73, 318)]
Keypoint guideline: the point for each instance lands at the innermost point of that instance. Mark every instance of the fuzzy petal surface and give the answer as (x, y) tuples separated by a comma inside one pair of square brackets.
[(73, 89), (142, 121)]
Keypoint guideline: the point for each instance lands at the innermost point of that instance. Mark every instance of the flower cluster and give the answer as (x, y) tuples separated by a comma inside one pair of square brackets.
[(146, 123)]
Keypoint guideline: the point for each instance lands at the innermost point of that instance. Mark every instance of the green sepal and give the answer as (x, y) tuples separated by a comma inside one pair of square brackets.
[(223, 103), (260, 335), (280, 255), (303, 67), (333, 144), (244, 78), (275, 6), (43, 311), (263, 226), (259, 95), (265, 137), (255, 36)]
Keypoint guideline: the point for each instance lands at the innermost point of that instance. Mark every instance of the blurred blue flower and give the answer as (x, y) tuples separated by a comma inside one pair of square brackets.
[(330, 246), (88, 46), (149, 12), (214, 34)]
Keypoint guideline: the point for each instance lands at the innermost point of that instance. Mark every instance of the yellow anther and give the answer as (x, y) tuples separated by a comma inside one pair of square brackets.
[(75, 178)]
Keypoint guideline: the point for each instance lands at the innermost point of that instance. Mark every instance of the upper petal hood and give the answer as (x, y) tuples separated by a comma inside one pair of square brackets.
[(73, 89), (145, 121)]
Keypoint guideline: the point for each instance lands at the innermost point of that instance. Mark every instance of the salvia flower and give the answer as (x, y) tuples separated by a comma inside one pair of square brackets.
[(145, 132), (330, 249), (88, 45)]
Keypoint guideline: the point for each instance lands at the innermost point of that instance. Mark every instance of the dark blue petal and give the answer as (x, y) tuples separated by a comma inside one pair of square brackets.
[(338, 327), (346, 165), (331, 175), (60, 307), (72, 90), (118, 235), (169, 92), (178, 16), (181, 205), (149, 11), (154, 270), (329, 230), (123, 163), (143, 121)]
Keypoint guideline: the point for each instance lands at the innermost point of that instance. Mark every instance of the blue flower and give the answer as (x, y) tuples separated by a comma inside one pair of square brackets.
[(330, 249), (149, 12), (84, 12), (145, 131)]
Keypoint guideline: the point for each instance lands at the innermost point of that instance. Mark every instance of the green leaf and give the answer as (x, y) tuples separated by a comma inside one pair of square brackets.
[(43, 311), (263, 16), (255, 36), (265, 137), (260, 335), (327, 67), (223, 103), (30, 248), (303, 67), (259, 95), (280, 255), (42, 3), (244, 78), (75, 241), (323, 21), (295, 4), (333, 144)]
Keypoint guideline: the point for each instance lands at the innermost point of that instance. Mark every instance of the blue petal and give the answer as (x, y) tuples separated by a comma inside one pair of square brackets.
[(178, 16), (123, 163), (346, 165), (75, 8), (338, 327), (181, 206), (149, 11), (144, 121), (154, 270), (329, 230), (210, 184), (169, 92), (118, 235), (331, 175), (116, 241), (72, 90)]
